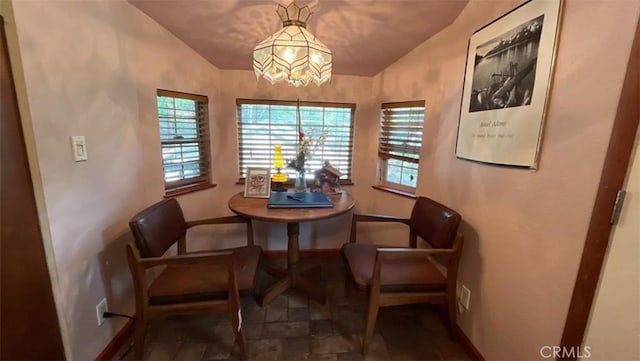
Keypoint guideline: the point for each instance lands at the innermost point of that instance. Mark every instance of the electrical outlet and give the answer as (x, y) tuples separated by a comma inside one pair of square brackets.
[(465, 297), (101, 308)]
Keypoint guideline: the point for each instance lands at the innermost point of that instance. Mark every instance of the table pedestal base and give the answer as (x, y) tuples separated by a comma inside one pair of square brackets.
[(292, 276)]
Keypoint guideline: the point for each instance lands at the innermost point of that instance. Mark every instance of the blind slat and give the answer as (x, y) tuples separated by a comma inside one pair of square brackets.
[(402, 113), (398, 157)]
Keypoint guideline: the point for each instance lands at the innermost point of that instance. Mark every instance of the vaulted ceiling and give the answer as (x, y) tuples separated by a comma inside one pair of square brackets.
[(365, 36)]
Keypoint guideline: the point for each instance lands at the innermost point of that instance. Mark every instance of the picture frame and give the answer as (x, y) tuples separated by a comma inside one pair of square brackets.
[(257, 183), (507, 82)]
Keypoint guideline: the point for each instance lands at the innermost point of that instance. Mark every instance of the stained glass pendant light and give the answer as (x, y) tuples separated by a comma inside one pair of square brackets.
[(293, 54)]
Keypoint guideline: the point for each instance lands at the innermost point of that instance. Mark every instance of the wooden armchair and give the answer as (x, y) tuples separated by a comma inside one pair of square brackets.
[(396, 276), (189, 282)]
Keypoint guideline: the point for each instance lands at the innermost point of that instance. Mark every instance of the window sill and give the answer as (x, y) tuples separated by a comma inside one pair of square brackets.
[(395, 191), (188, 189)]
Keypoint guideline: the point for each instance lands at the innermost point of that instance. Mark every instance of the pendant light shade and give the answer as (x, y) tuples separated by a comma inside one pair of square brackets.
[(293, 54)]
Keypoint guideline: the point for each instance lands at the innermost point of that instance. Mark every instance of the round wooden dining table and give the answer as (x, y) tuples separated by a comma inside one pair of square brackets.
[(292, 276)]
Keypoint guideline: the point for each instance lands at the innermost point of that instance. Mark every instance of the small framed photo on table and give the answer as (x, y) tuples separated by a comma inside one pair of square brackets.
[(257, 184)]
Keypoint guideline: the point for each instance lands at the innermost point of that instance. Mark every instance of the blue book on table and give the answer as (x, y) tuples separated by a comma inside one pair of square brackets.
[(299, 200)]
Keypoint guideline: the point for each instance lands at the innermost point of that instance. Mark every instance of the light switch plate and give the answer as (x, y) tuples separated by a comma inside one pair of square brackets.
[(79, 148)]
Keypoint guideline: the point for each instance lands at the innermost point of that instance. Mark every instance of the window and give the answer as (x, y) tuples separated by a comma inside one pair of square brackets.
[(400, 144), (264, 123), (183, 120)]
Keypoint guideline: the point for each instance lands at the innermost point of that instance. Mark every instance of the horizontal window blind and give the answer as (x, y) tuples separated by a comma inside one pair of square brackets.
[(401, 141), (262, 124), (183, 122)]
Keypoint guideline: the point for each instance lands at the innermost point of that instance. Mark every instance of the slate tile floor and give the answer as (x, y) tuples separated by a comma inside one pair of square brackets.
[(292, 327)]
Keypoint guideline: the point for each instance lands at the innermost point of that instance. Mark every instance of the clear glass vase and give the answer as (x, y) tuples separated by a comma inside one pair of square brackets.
[(301, 182)]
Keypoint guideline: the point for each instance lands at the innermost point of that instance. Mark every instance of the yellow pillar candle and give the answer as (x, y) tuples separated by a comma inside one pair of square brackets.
[(278, 160), (278, 163)]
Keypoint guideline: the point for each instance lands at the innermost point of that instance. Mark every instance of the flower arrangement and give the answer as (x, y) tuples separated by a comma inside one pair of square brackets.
[(307, 143)]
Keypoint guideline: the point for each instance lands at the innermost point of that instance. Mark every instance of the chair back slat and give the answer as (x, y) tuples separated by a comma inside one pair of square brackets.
[(158, 227), (434, 222)]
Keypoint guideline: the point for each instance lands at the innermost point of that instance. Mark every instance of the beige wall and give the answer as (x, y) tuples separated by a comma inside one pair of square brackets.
[(90, 93), (91, 68), (524, 229)]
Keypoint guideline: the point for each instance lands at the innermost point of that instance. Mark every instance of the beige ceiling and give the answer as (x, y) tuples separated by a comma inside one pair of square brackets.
[(365, 36)]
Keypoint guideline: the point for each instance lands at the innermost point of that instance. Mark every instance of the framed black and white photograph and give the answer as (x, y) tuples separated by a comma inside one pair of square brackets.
[(507, 84), (257, 184)]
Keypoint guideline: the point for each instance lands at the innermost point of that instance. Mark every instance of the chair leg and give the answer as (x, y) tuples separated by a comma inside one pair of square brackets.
[(139, 333), (451, 317), (370, 325), (238, 329)]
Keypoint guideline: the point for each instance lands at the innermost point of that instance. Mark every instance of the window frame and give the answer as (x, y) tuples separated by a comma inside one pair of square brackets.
[(203, 141), (384, 155), (272, 102)]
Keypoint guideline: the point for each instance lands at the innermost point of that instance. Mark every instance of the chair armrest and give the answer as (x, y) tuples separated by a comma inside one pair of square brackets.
[(372, 218), (212, 258), (182, 245), (395, 253), (218, 220), (379, 218)]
